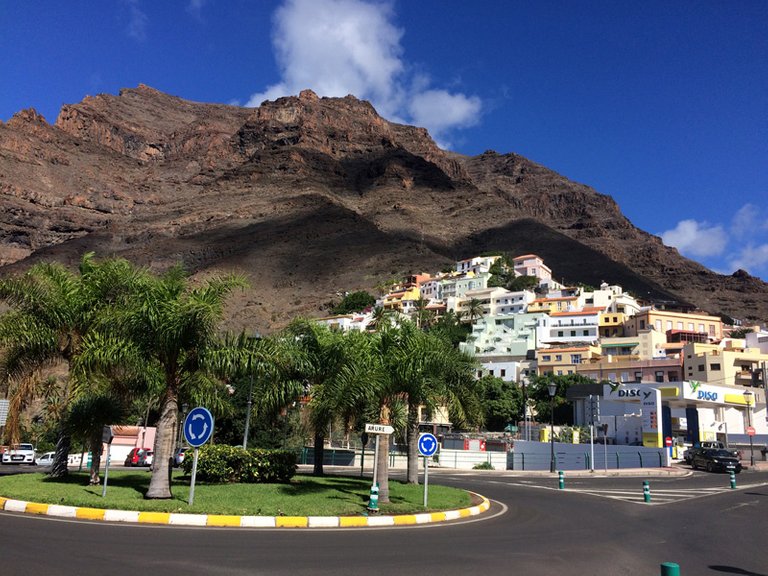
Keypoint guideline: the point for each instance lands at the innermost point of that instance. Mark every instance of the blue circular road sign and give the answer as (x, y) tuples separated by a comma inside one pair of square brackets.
[(427, 444), (198, 426)]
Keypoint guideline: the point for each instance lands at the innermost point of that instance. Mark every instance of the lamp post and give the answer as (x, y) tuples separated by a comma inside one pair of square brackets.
[(552, 389), (248, 414), (180, 435), (523, 384), (748, 397)]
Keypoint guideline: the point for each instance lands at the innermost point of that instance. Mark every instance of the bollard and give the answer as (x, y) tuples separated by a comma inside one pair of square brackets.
[(373, 501), (670, 569), (733, 480), (646, 491), (561, 479)]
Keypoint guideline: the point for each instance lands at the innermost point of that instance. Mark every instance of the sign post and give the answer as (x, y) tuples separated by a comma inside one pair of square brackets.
[(427, 447), (106, 437), (668, 444), (377, 429), (198, 429)]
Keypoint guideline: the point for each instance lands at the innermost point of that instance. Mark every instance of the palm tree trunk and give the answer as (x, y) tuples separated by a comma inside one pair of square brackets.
[(95, 446), (412, 438), (165, 440), (60, 459), (319, 452), (382, 472)]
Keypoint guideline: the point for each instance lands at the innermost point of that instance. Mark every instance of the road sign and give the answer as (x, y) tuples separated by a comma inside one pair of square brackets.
[(198, 426), (107, 435), (668, 441), (427, 444), (750, 431), (378, 429)]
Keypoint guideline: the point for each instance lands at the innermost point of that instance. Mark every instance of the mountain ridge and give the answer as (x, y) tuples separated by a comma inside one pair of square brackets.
[(349, 198)]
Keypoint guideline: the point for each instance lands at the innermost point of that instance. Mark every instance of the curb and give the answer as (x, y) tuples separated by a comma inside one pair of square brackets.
[(224, 521)]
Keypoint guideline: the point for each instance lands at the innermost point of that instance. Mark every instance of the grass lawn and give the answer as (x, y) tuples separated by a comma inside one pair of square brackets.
[(304, 496)]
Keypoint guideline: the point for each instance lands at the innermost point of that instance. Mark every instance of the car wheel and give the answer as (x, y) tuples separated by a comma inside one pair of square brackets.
[(710, 467), (693, 464)]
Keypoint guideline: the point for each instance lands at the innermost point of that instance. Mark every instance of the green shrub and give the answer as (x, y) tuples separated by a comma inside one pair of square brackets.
[(483, 466), (219, 463)]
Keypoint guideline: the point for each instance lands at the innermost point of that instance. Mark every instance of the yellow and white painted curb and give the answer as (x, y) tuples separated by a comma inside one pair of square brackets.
[(218, 520)]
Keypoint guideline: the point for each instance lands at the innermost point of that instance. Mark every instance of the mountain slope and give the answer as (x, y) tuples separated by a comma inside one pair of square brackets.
[(310, 196)]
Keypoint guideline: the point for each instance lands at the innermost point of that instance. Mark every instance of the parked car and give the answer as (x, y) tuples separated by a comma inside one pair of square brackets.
[(138, 457), (178, 456), (706, 445), (21, 454), (46, 459), (716, 461)]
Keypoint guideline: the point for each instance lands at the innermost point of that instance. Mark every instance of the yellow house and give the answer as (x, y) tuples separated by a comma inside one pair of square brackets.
[(564, 360), (730, 365), (700, 326), (550, 305)]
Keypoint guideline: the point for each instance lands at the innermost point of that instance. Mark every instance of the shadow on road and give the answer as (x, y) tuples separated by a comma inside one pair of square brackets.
[(734, 570)]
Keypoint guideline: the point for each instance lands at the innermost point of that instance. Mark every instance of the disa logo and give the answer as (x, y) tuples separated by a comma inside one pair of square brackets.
[(704, 395)]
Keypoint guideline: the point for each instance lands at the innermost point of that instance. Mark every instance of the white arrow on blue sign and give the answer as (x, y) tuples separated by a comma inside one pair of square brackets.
[(198, 426), (427, 444)]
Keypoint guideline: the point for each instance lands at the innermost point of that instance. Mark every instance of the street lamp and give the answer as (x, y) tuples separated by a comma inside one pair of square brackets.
[(248, 414), (523, 384), (552, 389), (180, 434), (748, 397)]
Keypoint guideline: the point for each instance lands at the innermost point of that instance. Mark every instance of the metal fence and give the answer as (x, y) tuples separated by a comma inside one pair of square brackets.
[(537, 456)]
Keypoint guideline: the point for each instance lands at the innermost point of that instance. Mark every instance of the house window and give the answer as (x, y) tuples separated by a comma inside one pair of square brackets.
[(479, 373), (573, 332), (642, 324), (701, 328), (714, 366), (560, 333), (669, 324), (638, 376), (659, 375), (558, 357), (711, 329), (559, 372), (625, 376), (701, 368), (586, 333), (575, 358), (673, 377), (658, 325), (690, 326), (679, 325), (546, 358), (503, 372)]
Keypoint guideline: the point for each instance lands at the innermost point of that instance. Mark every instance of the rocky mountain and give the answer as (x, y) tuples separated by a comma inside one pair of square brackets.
[(309, 197)]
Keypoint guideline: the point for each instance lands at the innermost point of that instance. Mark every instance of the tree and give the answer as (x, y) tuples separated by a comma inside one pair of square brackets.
[(502, 402), (449, 326), (52, 310), (330, 364), (421, 370), (538, 394), (522, 283), (354, 302), (165, 332), (474, 309)]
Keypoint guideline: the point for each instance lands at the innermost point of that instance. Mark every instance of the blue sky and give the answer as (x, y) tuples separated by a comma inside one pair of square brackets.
[(662, 105)]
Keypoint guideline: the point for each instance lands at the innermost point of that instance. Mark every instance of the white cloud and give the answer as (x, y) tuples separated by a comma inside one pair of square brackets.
[(747, 221), (137, 21), (753, 259), (340, 47), (696, 239), (195, 8)]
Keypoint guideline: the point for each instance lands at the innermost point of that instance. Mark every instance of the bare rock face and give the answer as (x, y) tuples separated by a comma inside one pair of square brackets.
[(310, 196)]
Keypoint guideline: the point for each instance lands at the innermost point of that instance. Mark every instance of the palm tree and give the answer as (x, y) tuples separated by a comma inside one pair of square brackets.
[(52, 311), (327, 361), (474, 309), (165, 331)]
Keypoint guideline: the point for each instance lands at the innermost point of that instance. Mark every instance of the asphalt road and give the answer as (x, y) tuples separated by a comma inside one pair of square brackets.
[(596, 526)]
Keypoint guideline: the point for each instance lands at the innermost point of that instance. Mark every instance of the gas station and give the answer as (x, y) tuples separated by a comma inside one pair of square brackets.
[(687, 411)]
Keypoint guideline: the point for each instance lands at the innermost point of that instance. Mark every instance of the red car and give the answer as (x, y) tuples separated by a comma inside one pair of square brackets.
[(138, 457)]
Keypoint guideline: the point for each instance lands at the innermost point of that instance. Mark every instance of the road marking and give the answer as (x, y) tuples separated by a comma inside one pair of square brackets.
[(659, 496)]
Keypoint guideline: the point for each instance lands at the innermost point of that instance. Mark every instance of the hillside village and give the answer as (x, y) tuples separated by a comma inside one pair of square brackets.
[(710, 382)]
